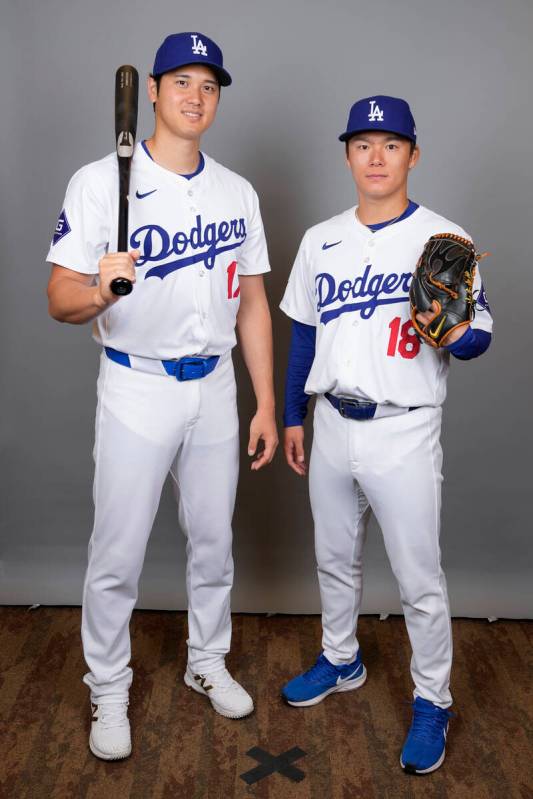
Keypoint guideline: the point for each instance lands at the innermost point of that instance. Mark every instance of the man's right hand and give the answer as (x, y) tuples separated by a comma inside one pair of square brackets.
[(294, 449), (112, 265)]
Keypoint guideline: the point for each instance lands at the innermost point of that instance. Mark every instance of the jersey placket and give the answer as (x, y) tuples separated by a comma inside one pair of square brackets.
[(369, 250), (364, 253), (202, 288)]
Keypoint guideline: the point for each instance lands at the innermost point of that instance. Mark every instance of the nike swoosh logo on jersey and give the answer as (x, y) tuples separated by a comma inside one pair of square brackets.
[(327, 246), (340, 679), (146, 194)]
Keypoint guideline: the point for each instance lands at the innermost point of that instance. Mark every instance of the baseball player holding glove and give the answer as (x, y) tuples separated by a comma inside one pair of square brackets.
[(166, 389), (378, 364)]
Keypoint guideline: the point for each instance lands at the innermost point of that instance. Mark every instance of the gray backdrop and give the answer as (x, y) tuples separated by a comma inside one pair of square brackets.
[(466, 68)]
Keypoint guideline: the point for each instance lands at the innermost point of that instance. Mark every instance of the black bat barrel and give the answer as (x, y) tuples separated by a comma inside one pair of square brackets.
[(126, 104)]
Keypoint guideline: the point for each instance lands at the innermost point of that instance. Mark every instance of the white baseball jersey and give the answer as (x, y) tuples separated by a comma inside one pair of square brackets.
[(353, 285), (196, 236)]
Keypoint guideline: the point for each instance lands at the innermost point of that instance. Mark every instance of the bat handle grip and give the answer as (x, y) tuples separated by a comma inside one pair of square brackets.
[(121, 286)]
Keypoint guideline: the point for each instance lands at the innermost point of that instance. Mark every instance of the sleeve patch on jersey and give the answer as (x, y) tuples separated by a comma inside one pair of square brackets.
[(62, 227), (481, 300)]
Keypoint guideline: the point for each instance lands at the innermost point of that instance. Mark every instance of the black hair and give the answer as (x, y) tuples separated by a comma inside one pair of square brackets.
[(157, 79)]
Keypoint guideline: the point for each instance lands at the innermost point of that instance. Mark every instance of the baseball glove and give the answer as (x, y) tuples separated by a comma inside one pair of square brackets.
[(444, 274)]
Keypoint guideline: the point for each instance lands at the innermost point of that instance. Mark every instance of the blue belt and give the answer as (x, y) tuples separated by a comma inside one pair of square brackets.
[(188, 368), (351, 408)]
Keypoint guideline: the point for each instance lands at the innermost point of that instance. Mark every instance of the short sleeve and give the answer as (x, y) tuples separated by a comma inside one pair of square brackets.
[(252, 256), (299, 299), (82, 232)]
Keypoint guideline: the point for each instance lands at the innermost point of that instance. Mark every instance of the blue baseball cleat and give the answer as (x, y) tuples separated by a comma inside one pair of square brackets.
[(322, 679), (424, 748)]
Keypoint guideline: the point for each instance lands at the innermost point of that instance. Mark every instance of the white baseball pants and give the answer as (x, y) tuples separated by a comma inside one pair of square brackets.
[(147, 426), (391, 466)]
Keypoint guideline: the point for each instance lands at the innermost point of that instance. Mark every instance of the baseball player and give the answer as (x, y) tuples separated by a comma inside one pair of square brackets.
[(166, 388), (377, 418)]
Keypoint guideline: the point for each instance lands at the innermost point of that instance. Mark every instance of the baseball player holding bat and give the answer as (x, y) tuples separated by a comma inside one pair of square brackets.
[(378, 414), (166, 389)]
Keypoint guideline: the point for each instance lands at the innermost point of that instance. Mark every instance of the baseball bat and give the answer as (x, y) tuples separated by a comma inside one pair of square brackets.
[(126, 103)]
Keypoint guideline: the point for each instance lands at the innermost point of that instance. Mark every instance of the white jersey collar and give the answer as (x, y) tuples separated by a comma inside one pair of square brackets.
[(386, 232), (148, 163)]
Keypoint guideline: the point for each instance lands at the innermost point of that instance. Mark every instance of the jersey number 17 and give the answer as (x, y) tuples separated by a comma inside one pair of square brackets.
[(232, 293)]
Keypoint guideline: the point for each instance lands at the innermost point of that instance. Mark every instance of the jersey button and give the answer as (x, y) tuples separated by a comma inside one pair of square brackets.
[(190, 193), (201, 273)]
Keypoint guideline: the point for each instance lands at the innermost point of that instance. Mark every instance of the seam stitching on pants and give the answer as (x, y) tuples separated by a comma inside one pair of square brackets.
[(433, 442), (360, 516)]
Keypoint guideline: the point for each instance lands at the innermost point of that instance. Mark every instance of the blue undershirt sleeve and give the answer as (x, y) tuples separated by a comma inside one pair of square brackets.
[(301, 357), (471, 344)]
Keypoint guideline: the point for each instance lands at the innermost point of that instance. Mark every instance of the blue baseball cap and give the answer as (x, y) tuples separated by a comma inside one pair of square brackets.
[(180, 49), (380, 113)]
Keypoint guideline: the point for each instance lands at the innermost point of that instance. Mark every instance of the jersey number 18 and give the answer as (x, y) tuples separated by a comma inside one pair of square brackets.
[(408, 346)]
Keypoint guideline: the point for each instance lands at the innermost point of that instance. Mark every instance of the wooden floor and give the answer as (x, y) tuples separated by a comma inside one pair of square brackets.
[(183, 749)]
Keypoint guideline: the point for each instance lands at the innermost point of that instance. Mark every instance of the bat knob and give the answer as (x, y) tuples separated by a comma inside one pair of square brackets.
[(121, 286)]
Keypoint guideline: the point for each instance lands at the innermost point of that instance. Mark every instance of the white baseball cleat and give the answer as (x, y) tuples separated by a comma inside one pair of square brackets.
[(225, 694), (110, 737)]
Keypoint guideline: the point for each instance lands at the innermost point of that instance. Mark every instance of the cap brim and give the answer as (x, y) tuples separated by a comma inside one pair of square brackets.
[(349, 133), (223, 77)]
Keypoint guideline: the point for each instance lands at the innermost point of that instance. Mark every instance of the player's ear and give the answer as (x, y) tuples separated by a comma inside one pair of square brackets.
[(346, 153), (415, 155), (151, 87)]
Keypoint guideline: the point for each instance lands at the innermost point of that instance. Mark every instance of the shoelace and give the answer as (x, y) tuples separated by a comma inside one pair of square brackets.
[(113, 715), (222, 680), (322, 670), (429, 722)]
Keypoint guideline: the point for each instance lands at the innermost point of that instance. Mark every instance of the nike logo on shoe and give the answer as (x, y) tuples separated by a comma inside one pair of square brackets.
[(340, 679), (146, 194), (327, 246)]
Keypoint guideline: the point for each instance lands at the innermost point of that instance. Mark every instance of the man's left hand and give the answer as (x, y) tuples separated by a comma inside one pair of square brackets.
[(263, 428), (426, 317)]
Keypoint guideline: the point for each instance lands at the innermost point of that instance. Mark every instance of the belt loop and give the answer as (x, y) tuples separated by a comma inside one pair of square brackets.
[(342, 408)]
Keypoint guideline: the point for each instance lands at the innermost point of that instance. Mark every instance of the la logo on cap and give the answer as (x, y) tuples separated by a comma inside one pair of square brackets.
[(198, 47), (376, 114)]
